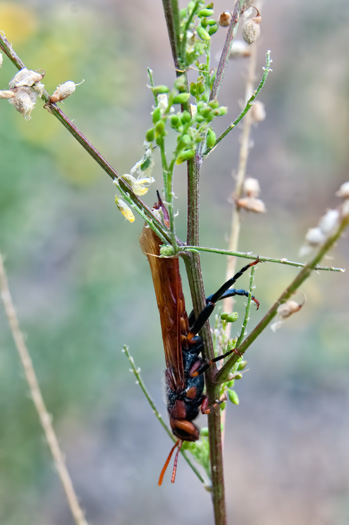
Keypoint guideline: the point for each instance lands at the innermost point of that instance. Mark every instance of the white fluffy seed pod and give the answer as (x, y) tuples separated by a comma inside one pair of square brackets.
[(25, 78), (315, 236), (63, 91), (258, 113), (251, 29), (252, 204), (251, 187), (24, 101), (7, 94), (239, 49), (329, 221), (343, 191)]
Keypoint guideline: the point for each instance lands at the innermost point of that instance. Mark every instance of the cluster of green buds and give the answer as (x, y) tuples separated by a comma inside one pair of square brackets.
[(197, 27), (192, 125)]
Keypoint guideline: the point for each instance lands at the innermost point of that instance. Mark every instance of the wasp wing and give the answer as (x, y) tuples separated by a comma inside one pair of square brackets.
[(170, 299)]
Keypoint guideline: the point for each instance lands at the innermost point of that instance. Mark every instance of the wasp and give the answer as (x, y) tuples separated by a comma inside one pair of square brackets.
[(184, 379)]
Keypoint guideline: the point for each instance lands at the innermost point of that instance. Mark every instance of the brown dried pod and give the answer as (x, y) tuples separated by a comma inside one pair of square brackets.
[(225, 19)]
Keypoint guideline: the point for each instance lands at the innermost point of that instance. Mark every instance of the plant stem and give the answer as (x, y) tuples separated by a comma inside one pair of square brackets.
[(36, 395), (252, 256)]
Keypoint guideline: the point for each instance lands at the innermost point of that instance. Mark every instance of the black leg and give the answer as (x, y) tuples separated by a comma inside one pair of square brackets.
[(223, 292)]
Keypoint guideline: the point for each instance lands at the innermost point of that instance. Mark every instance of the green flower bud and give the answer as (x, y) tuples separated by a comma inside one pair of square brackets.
[(160, 128), (185, 155), (213, 28), (231, 383), (230, 318), (233, 397), (219, 112), (186, 117), (214, 104), (167, 250), (180, 83), (203, 34), (242, 365), (204, 432), (156, 115), (150, 135), (185, 141), (238, 376), (157, 90), (181, 98), (205, 12), (175, 122)]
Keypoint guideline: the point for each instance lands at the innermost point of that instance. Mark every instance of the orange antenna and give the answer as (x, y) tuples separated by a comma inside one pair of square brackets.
[(164, 468), (173, 478)]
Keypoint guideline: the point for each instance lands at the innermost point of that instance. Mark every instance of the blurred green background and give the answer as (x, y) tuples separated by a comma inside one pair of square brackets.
[(82, 287)]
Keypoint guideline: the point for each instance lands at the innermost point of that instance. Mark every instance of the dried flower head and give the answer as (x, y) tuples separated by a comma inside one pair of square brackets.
[(125, 209)]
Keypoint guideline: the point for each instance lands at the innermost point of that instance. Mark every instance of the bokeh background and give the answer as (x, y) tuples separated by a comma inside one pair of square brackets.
[(83, 288)]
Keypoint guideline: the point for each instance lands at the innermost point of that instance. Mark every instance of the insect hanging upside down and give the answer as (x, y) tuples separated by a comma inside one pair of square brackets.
[(184, 377)]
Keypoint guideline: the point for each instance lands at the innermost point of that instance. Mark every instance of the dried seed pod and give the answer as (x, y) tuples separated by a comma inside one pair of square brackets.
[(251, 187), (239, 49), (63, 91), (343, 191), (7, 94), (329, 222), (315, 236), (251, 29), (252, 204), (258, 113), (225, 19), (26, 78), (24, 101), (284, 311)]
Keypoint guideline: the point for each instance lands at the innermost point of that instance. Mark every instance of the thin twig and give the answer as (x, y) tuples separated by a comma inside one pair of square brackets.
[(253, 256), (38, 401)]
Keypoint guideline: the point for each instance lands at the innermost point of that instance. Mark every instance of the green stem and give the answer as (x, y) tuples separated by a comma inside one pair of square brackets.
[(247, 310), (223, 373), (252, 256)]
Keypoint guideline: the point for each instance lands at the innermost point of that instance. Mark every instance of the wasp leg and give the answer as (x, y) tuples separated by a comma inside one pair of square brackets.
[(223, 292)]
